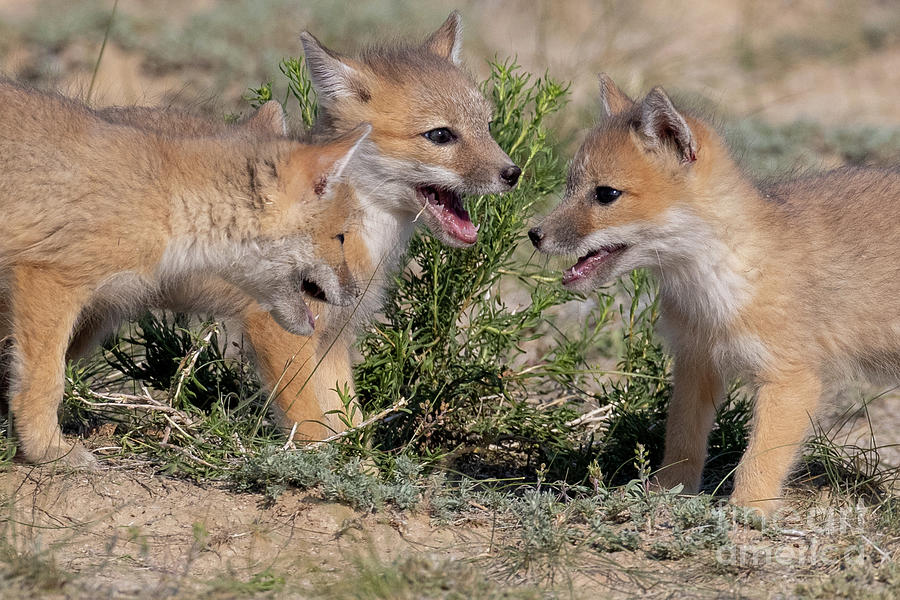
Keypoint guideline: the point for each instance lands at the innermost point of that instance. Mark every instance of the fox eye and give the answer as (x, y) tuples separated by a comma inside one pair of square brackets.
[(340, 237), (441, 135), (606, 195)]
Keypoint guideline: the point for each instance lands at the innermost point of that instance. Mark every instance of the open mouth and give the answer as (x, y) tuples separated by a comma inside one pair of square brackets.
[(312, 290), (589, 263), (447, 206)]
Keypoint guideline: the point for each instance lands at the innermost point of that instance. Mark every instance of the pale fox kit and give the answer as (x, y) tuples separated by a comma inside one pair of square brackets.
[(98, 214), (792, 286), (210, 295)]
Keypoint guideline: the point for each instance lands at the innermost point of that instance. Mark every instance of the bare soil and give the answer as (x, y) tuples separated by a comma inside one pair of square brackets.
[(129, 532)]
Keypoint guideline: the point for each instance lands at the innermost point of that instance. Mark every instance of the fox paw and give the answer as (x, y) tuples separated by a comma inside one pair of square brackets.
[(673, 476), (75, 457), (763, 508)]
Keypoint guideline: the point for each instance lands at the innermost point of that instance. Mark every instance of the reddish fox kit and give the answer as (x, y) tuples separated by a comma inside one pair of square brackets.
[(792, 286), (102, 215)]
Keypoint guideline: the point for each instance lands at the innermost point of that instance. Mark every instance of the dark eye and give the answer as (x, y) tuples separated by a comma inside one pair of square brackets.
[(606, 195), (340, 237), (441, 135)]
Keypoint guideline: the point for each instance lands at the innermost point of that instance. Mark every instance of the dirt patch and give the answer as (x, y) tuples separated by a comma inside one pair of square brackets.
[(128, 532), (132, 532)]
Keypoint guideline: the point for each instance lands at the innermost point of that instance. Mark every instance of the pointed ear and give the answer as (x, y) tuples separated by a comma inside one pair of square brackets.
[(269, 119), (446, 42), (331, 76), (336, 155), (614, 100), (662, 126)]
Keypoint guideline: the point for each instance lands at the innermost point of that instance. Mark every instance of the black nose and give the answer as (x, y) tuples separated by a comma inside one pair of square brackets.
[(511, 174), (536, 236)]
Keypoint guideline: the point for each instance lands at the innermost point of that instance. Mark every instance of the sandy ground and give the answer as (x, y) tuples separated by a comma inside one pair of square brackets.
[(124, 532), (129, 532)]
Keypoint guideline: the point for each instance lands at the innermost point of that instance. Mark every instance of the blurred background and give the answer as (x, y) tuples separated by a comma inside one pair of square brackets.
[(824, 61)]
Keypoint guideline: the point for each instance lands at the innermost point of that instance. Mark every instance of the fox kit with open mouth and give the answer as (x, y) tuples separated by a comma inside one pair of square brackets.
[(103, 216), (792, 286), (431, 131)]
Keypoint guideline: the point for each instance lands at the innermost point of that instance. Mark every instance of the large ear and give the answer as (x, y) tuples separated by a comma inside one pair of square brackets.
[(614, 100), (336, 155), (446, 42), (331, 76), (269, 119), (663, 126)]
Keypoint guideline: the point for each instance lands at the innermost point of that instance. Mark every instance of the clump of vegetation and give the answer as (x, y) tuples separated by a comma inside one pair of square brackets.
[(179, 395), (449, 342), (338, 477), (413, 577), (21, 572), (165, 353)]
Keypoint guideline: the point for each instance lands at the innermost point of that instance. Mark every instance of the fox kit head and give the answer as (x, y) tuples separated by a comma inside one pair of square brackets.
[(631, 191), (430, 127), (299, 221), (303, 224)]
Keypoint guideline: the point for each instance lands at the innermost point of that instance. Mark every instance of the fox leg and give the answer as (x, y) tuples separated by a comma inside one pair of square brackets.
[(335, 372), (5, 324), (697, 390), (91, 331), (784, 405), (300, 378), (44, 310)]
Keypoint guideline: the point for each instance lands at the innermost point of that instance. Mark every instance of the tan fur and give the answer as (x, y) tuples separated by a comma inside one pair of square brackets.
[(403, 91), (98, 215), (791, 286), (301, 373)]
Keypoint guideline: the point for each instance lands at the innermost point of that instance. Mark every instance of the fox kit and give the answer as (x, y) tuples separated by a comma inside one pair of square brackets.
[(207, 295), (793, 286), (96, 214), (430, 127)]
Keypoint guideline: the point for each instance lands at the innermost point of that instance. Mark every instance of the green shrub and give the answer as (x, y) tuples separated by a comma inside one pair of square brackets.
[(449, 344)]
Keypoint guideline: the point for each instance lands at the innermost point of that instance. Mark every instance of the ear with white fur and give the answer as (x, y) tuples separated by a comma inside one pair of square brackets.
[(331, 76), (269, 119), (446, 42), (613, 99), (662, 126), (337, 154)]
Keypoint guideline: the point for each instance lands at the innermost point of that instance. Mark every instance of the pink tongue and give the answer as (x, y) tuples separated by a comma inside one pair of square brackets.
[(584, 267), (456, 225), (464, 230), (309, 316)]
